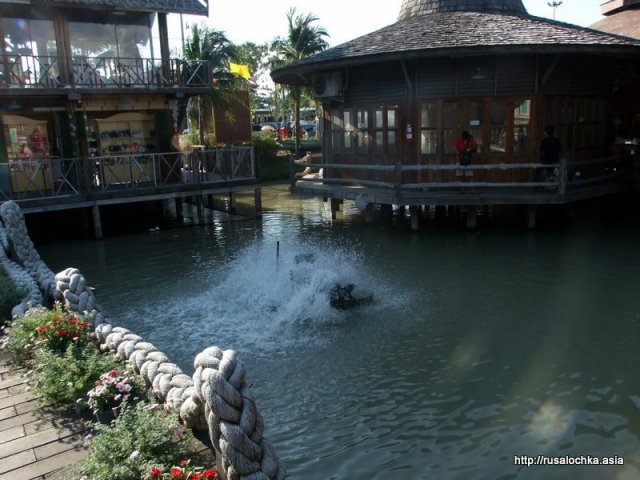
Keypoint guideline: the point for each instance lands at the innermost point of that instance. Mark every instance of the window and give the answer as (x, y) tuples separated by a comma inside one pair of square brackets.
[(498, 133), (429, 129), (521, 120), (451, 126), (362, 117), (476, 116)]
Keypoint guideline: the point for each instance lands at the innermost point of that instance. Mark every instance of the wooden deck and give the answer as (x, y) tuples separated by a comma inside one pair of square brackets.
[(37, 443), (34, 442)]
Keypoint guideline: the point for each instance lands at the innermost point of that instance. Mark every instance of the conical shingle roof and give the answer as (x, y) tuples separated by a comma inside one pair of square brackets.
[(411, 8)]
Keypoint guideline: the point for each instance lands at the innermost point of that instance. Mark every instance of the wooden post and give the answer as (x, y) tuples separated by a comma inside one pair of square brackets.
[(179, 214), (562, 189), (368, 214), (257, 198), (292, 174), (335, 206), (200, 209), (471, 218), (97, 222), (531, 216), (416, 212), (232, 202)]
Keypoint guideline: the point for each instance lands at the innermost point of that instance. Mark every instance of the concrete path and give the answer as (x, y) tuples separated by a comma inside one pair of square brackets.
[(34, 442)]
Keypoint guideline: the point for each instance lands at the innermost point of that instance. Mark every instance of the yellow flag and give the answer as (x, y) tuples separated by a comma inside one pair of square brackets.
[(242, 70)]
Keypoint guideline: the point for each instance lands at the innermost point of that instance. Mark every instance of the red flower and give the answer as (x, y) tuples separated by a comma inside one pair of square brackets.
[(155, 472), (211, 474), (177, 473), (61, 333), (195, 476), (113, 373), (185, 462)]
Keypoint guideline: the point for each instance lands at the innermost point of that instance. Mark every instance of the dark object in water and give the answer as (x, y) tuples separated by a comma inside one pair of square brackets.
[(341, 298), (305, 258)]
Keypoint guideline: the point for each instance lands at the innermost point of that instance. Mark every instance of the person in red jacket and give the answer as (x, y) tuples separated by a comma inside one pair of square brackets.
[(465, 145)]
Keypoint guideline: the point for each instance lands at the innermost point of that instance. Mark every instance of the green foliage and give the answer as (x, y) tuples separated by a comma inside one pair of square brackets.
[(54, 329), (10, 296), (140, 438), (22, 334), (65, 379)]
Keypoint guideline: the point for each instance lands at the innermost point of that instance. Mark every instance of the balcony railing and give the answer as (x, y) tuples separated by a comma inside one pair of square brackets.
[(516, 177), (55, 177), (101, 72)]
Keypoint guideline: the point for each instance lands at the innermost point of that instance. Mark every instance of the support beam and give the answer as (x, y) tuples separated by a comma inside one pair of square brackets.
[(200, 209), (416, 214), (531, 216), (471, 218), (97, 222), (257, 200), (179, 213), (335, 206), (369, 214), (232, 202)]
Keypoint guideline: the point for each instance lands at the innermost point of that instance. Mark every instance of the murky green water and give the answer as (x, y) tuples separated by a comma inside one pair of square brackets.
[(479, 347)]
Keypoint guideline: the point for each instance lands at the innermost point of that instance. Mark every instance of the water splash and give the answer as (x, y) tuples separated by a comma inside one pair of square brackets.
[(260, 301)]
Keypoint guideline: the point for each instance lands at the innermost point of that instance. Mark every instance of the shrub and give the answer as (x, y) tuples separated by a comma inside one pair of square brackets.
[(266, 148), (141, 438), (10, 296), (54, 329), (65, 379), (113, 390)]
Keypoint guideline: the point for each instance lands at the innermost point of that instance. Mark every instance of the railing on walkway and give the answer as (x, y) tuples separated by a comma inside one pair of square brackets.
[(558, 178), (52, 177), (100, 72)]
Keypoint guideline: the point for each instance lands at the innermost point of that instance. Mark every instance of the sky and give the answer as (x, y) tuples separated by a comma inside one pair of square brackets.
[(261, 21)]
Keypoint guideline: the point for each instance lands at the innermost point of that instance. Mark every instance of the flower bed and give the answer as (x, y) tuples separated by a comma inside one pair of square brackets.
[(69, 372)]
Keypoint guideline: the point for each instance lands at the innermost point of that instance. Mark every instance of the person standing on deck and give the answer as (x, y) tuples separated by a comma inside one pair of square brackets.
[(550, 148), (465, 145)]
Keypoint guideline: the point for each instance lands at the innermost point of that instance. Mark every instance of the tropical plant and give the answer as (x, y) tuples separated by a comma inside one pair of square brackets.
[(303, 39), (205, 43)]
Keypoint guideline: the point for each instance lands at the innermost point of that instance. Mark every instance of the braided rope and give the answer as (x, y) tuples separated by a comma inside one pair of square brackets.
[(217, 396), (18, 240), (235, 425)]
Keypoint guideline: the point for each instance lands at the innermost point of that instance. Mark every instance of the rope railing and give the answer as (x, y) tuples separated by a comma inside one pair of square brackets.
[(217, 398)]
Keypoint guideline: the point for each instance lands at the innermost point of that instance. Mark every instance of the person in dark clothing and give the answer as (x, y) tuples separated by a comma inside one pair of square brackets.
[(550, 148)]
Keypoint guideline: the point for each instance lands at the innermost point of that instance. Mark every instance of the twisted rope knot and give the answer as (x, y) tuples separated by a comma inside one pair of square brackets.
[(16, 236), (235, 426)]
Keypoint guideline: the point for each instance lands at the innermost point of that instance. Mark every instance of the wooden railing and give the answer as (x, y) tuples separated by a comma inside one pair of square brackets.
[(100, 72), (562, 176), (53, 177)]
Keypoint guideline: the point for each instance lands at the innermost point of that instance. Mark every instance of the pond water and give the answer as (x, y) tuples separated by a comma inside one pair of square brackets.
[(479, 347)]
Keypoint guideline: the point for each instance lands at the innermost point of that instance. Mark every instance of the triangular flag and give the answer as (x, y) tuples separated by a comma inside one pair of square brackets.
[(242, 70)]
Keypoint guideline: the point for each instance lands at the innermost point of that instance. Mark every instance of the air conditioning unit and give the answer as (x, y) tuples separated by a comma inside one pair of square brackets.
[(326, 85)]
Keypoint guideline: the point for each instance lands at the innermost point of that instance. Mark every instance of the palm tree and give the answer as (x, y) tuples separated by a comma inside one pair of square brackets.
[(303, 39), (211, 45)]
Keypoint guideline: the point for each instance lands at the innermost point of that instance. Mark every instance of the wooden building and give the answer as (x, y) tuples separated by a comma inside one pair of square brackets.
[(395, 99), (91, 103), (622, 17)]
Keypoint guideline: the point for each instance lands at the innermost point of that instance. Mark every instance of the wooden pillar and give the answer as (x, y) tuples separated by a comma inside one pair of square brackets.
[(471, 218), (165, 52), (200, 209), (531, 216), (368, 214), (179, 213), (97, 222), (416, 213), (441, 211), (335, 206), (232, 202), (257, 200)]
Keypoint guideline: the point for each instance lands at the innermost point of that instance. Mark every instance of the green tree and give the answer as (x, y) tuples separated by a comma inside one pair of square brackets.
[(212, 45), (303, 39)]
